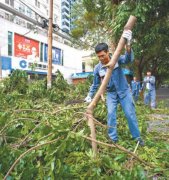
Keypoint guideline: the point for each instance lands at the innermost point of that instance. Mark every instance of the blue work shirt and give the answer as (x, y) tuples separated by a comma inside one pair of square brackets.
[(135, 87), (149, 83), (117, 83)]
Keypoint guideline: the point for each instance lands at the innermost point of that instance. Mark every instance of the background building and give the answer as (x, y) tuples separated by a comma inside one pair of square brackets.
[(23, 38), (66, 6)]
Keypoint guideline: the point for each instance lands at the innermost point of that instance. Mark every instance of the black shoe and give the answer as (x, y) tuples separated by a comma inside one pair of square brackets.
[(141, 142)]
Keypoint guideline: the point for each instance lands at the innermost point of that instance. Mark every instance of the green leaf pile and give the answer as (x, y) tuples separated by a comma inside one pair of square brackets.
[(44, 132)]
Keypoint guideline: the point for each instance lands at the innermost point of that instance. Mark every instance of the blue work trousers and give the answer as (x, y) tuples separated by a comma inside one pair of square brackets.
[(128, 107), (135, 95), (150, 98)]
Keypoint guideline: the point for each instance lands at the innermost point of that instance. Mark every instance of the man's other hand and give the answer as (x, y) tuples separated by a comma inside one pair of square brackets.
[(88, 99)]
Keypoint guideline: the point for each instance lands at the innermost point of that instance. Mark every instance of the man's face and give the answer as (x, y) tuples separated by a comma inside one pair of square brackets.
[(135, 79), (148, 73), (103, 57)]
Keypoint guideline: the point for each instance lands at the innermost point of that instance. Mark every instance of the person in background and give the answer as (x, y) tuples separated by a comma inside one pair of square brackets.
[(118, 90), (135, 88), (149, 90)]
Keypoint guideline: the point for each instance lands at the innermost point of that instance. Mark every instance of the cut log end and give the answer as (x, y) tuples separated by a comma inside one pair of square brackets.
[(130, 23)]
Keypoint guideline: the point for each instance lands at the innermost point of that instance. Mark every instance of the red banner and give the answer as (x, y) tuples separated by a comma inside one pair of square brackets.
[(25, 47)]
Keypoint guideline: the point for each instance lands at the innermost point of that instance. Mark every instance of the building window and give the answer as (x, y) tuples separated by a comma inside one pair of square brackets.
[(65, 17), (65, 23), (37, 3), (10, 2), (29, 12), (22, 22), (62, 57), (9, 43), (55, 18), (41, 52), (22, 8), (66, 31), (65, 10), (65, 4), (6, 16), (16, 20), (30, 26), (7, 1)]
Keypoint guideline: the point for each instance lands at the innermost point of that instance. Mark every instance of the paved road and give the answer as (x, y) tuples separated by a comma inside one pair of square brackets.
[(161, 122), (162, 93)]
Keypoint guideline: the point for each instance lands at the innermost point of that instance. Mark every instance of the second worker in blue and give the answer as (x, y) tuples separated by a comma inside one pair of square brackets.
[(135, 88)]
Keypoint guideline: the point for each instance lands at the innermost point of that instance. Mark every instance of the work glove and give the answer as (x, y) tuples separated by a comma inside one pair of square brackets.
[(88, 99), (127, 34)]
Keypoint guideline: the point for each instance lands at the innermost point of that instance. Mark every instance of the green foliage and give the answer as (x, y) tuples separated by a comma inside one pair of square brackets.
[(17, 81), (90, 22), (37, 89), (59, 90), (31, 119), (103, 21), (80, 90)]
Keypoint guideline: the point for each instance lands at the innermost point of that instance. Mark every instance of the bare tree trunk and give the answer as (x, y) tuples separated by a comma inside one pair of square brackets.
[(105, 81), (140, 71)]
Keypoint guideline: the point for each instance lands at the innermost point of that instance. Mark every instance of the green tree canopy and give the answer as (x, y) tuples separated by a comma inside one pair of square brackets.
[(103, 20)]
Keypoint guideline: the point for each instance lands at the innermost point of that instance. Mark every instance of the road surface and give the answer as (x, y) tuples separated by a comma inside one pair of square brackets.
[(162, 93)]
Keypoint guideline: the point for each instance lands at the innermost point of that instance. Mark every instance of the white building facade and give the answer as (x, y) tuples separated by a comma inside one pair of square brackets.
[(23, 41)]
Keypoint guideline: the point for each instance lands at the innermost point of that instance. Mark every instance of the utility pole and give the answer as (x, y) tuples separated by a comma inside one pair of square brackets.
[(50, 30)]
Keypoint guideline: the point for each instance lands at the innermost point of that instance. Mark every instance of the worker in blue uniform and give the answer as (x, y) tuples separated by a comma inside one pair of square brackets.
[(149, 90), (135, 88), (118, 90)]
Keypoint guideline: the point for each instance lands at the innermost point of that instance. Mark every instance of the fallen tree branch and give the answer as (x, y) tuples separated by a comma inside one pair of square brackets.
[(67, 109), (44, 137), (37, 110), (99, 123), (10, 137), (77, 123), (34, 110), (120, 148), (26, 137), (96, 121), (19, 119), (26, 152)]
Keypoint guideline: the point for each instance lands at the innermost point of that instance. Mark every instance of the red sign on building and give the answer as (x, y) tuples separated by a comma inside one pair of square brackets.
[(25, 47)]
